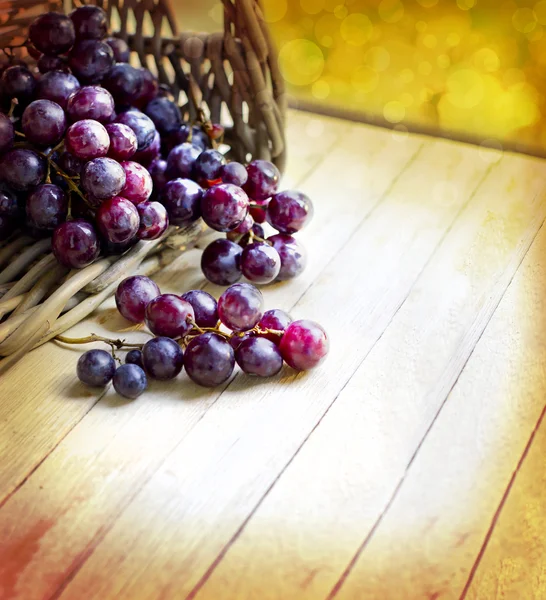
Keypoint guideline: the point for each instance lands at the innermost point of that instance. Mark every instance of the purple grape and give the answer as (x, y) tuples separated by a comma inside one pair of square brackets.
[(7, 133), (208, 166), (90, 60), (263, 179), (138, 182), (120, 49), (238, 337), (260, 263), (158, 172), (96, 368), (90, 22), (240, 307), (198, 137), (87, 139), (224, 207), (275, 319), (304, 345), (118, 220), (204, 306), (75, 244), (293, 255), (9, 206), (259, 356), (289, 211), (43, 122), (57, 87), (133, 295), (221, 262), (149, 88), (123, 142), (103, 177), (47, 64), (234, 173), (70, 164), (52, 33), (165, 114), (47, 207), (170, 316), (163, 358), (154, 220), (91, 102), (181, 160), (134, 357), (124, 82), (130, 381), (18, 82), (146, 156), (182, 199), (141, 124), (22, 169), (209, 360)]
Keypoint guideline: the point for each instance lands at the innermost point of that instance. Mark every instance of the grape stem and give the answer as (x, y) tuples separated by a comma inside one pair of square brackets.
[(116, 344)]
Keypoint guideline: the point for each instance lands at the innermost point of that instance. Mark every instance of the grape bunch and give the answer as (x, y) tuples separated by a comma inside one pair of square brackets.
[(204, 337)]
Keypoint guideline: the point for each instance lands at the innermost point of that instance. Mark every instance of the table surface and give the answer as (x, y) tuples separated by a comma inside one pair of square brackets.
[(410, 465)]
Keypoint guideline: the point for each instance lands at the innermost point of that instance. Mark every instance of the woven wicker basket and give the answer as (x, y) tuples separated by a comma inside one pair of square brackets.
[(231, 74)]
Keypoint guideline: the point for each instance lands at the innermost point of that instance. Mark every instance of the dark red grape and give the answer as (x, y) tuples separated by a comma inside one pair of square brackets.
[(235, 173), (130, 381), (103, 177), (141, 124), (289, 211), (304, 345), (209, 360), (165, 114), (148, 91), (240, 307), (57, 87), (263, 179), (208, 166), (170, 316), (146, 156), (43, 122), (118, 220), (91, 102), (75, 244), (154, 220), (258, 214), (133, 295), (260, 263), (181, 160), (9, 206), (90, 22), (18, 82), (123, 142), (70, 164), (205, 307), (215, 131), (124, 82), (52, 33), (87, 139), (259, 356), (163, 358), (138, 182), (224, 207), (277, 320), (46, 206), (134, 357), (158, 173), (221, 262), (90, 60), (182, 199), (293, 255), (22, 169), (7, 133), (96, 368)]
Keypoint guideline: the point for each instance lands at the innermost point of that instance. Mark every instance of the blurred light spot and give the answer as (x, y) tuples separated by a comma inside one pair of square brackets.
[(331, 5), (406, 99), (312, 7), (308, 24), (340, 12), (540, 12), (453, 39), (513, 77), (301, 62), (320, 89), (465, 88), (421, 26), (430, 41), (428, 3), (394, 111), (407, 75), (274, 10), (391, 11), (364, 79), (378, 58), (356, 29), (524, 20), (424, 68), (536, 34), (325, 26), (466, 4), (443, 61), (486, 59), (425, 95), (216, 13), (315, 128), (491, 151)]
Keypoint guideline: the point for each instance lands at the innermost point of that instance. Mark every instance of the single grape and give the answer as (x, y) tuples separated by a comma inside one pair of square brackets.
[(18, 82), (235, 173), (46, 207), (138, 182), (134, 357), (146, 156), (70, 164), (158, 172), (133, 295), (258, 214), (149, 89), (221, 262), (181, 160), (141, 124), (289, 211), (75, 244), (123, 142), (103, 178), (170, 316), (90, 60), (165, 114), (87, 139), (293, 255), (124, 82), (52, 33), (43, 122), (263, 179), (130, 381), (260, 263), (163, 358), (22, 169), (9, 206), (57, 87), (224, 207), (120, 49), (154, 220), (91, 102), (209, 360), (96, 368), (90, 22), (304, 345), (240, 307), (118, 220), (259, 356), (7, 133), (204, 306), (215, 131), (182, 199), (208, 166), (277, 320)]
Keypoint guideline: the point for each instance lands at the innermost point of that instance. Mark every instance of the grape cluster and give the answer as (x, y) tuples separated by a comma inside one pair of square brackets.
[(204, 337)]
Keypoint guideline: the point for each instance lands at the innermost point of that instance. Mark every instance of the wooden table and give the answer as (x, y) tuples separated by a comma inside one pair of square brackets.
[(410, 465)]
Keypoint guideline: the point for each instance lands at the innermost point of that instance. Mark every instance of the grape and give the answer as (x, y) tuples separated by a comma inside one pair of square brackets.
[(235, 173), (124, 82), (181, 160), (91, 102), (209, 360), (240, 307), (138, 182), (133, 295), (9, 207), (292, 253), (258, 356), (263, 179), (204, 306), (22, 169), (165, 114), (96, 368), (149, 88), (158, 173), (87, 139), (168, 315), (118, 220), (43, 122), (243, 228), (70, 164), (257, 230), (52, 33), (260, 263), (103, 177), (18, 82), (146, 156), (120, 49), (90, 60), (221, 262), (154, 220), (75, 244), (163, 358), (46, 206), (7, 133), (57, 87), (198, 137), (130, 381), (208, 166), (134, 357), (182, 199), (289, 211), (90, 22), (304, 345), (215, 131), (274, 319), (46, 64), (123, 142), (141, 124), (224, 207), (238, 337), (258, 214)]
